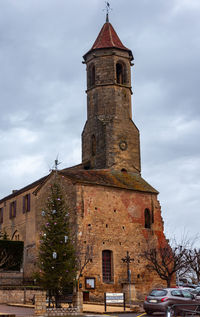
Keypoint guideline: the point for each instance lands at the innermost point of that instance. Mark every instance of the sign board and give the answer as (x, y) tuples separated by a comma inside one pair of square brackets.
[(114, 298), (89, 282)]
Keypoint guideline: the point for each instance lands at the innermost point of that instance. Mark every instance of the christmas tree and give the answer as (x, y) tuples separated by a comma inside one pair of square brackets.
[(57, 260)]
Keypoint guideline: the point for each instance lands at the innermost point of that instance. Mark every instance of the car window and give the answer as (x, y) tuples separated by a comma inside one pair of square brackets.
[(158, 292), (186, 294), (176, 293), (196, 291)]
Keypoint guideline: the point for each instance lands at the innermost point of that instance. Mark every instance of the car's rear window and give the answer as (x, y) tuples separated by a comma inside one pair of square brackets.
[(158, 292)]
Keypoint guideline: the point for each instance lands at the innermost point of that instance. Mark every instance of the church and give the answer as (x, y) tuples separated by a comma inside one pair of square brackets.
[(116, 213)]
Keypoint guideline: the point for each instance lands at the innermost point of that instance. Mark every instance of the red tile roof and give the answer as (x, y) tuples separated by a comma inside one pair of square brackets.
[(108, 38)]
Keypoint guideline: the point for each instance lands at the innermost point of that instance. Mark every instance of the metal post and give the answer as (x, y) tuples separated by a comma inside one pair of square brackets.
[(178, 281), (105, 300), (129, 275), (168, 312), (127, 259)]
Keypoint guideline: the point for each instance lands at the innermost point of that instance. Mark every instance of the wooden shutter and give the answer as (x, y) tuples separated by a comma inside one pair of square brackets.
[(15, 208), (1, 215), (24, 204), (10, 215), (28, 202)]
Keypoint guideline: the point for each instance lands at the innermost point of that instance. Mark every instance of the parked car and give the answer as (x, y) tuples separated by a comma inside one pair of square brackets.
[(160, 299), (196, 293), (187, 285)]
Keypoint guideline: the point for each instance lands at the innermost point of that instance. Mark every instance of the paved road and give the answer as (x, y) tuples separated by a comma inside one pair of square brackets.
[(18, 311), (140, 315), (29, 312)]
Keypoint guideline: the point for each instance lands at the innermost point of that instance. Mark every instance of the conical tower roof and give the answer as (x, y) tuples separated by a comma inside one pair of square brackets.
[(108, 38)]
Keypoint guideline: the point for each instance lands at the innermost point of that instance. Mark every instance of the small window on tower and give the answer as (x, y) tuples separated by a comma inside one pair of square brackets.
[(120, 73), (91, 75), (147, 216), (93, 145)]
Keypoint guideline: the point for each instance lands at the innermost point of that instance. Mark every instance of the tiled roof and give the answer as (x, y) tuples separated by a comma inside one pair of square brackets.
[(108, 38), (111, 178)]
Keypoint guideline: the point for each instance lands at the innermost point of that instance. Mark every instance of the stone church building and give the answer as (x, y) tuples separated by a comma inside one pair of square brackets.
[(115, 210)]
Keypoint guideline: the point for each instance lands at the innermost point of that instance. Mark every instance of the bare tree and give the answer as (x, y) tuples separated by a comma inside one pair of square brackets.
[(193, 258), (83, 258), (5, 259), (166, 261)]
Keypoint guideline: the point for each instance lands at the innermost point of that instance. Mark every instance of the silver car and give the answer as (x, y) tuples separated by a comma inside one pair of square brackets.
[(196, 292), (160, 299)]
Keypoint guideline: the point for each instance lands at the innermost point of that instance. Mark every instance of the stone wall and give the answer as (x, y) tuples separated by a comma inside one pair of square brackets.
[(40, 303), (11, 278), (17, 296), (109, 115), (113, 219)]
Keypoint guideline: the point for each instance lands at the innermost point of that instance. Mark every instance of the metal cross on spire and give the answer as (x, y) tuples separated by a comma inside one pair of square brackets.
[(108, 9)]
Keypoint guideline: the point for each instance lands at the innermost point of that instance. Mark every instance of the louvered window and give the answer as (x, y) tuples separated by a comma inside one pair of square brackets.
[(120, 73)]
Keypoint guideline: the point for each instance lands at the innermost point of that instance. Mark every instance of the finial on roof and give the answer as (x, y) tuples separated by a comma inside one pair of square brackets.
[(108, 8), (107, 18)]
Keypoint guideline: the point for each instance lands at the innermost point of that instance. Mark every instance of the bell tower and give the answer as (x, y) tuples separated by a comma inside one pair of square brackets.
[(110, 139)]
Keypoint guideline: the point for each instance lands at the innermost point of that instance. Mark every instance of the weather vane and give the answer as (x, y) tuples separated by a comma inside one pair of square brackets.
[(108, 9)]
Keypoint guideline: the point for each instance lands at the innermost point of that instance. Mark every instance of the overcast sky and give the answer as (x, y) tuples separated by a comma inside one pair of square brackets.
[(43, 100)]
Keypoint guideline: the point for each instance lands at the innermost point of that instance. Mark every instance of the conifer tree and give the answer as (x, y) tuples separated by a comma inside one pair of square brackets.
[(57, 260)]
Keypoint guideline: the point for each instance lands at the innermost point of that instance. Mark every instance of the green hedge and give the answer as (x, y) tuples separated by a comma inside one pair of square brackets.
[(11, 255)]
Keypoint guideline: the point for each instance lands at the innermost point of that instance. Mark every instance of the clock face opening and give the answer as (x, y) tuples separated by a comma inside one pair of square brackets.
[(123, 145)]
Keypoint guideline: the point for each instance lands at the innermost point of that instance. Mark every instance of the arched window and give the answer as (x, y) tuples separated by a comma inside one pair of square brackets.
[(15, 236), (147, 217), (93, 145), (91, 75), (120, 73), (107, 266)]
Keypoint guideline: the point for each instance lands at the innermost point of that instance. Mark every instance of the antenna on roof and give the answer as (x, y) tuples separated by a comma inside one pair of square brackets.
[(56, 163), (108, 9)]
